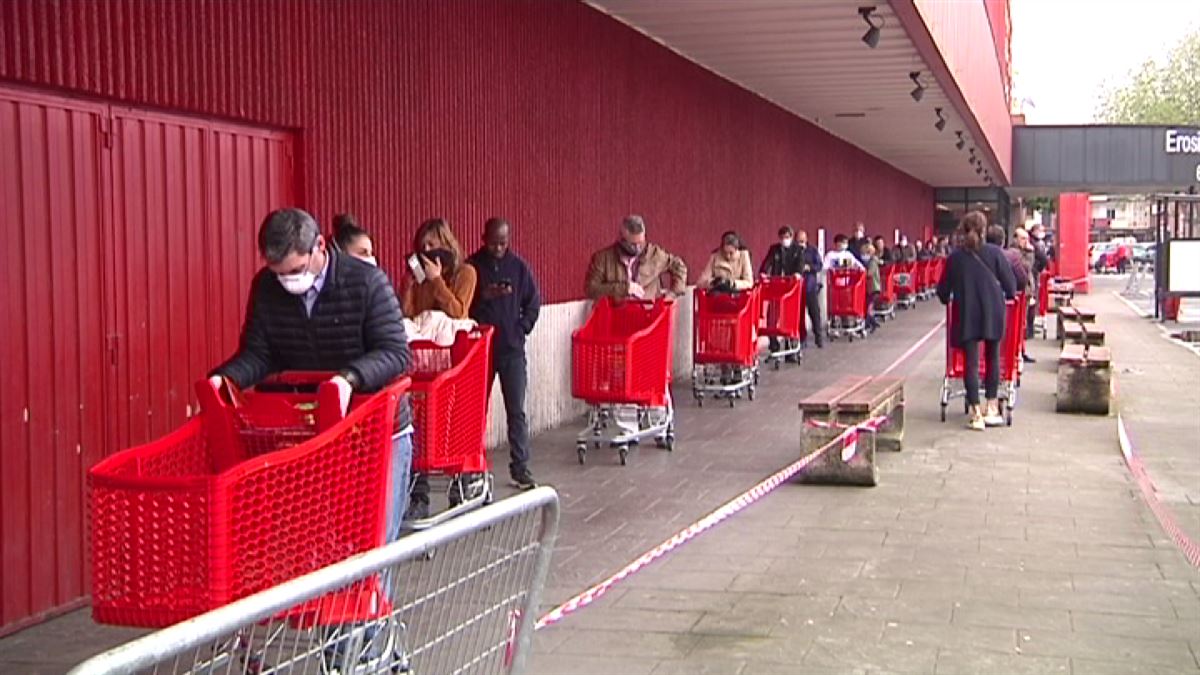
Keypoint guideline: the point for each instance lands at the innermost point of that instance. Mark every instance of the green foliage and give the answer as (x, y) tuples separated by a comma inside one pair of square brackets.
[(1160, 94), (1043, 204)]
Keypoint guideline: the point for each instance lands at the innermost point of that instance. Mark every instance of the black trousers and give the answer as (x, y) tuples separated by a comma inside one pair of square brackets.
[(991, 382), (1030, 315), (812, 301), (513, 372)]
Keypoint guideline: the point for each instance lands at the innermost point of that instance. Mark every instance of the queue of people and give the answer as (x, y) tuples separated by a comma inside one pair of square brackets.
[(329, 307)]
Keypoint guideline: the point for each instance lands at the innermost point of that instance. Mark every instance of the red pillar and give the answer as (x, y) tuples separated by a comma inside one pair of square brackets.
[(1074, 214)]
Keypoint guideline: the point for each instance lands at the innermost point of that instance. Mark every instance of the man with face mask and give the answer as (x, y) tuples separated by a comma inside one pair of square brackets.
[(314, 308), (859, 240), (633, 268)]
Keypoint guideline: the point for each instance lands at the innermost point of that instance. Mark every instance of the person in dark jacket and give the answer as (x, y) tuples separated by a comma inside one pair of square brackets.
[(784, 259), (507, 299), (313, 308), (882, 251), (996, 237), (810, 269), (979, 280), (858, 240)]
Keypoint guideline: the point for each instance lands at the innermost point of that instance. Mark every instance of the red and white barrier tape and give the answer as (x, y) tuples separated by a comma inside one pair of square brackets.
[(690, 532), (1189, 548)]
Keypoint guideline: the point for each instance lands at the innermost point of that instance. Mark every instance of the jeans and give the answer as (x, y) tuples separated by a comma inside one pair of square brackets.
[(513, 372), (402, 456), (872, 298), (991, 382), (812, 301)]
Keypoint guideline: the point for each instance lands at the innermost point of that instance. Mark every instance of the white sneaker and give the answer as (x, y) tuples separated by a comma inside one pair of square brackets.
[(976, 424), (996, 420)]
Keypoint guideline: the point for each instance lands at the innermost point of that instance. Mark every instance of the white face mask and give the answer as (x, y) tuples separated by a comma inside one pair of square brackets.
[(787, 243), (370, 260), (297, 284)]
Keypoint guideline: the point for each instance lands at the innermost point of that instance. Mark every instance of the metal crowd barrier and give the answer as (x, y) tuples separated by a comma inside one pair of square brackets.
[(463, 599)]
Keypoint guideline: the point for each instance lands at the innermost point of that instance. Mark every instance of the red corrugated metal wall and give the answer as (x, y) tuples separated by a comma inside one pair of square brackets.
[(547, 112), (119, 223)]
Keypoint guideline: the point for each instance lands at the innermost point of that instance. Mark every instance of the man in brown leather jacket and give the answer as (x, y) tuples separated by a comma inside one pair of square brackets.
[(631, 267)]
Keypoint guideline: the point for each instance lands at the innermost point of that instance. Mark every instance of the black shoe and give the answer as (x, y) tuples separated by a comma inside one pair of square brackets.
[(417, 510), (522, 479), (1028, 359)]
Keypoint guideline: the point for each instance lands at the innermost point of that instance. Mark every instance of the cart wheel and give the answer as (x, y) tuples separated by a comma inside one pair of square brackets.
[(750, 393), (581, 450), (429, 554), (699, 401), (850, 337), (623, 452), (730, 401), (775, 363), (943, 412), (1008, 417), (670, 443)]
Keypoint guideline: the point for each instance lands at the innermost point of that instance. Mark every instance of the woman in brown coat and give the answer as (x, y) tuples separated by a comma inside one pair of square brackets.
[(449, 282)]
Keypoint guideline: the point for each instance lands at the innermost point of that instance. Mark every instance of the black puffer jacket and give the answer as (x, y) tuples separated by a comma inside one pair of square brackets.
[(355, 325)]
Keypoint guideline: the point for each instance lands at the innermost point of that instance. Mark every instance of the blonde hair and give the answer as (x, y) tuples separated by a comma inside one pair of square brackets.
[(441, 228)]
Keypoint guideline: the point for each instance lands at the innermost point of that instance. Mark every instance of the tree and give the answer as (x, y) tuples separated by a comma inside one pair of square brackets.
[(1166, 93)]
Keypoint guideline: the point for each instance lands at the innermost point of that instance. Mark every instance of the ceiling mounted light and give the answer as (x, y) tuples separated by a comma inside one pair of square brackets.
[(871, 37), (961, 143), (918, 93), (941, 119), (978, 170)]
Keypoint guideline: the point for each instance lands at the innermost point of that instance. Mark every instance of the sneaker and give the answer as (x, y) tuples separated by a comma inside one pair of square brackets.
[(1028, 359), (976, 424), (996, 420), (467, 487), (417, 510), (522, 479)]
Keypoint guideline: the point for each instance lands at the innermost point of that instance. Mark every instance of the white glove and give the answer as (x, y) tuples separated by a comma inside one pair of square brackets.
[(636, 290), (344, 391), (217, 382)]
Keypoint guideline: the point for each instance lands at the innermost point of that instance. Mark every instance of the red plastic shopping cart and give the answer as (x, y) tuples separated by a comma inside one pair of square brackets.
[(256, 490), (847, 301), (906, 284), (781, 316), (921, 279), (621, 363), (725, 344), (450, 387), (885, 303), (933, 275), (1043, 301), (1010, 359)]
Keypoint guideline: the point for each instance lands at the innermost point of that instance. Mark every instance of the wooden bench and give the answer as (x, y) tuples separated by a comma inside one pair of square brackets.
[(1081, 333), (1084, 380), (825, 415), (1071, 313)]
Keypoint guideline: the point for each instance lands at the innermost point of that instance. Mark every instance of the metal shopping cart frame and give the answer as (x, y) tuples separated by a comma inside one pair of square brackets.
[(1010, 360), (725, 344), (847, 302), (473, 608), (781, 316)]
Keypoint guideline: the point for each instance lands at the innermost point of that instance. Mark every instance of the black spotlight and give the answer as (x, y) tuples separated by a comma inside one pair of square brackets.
[(978, 170), (941, 119), (871, 37), (918, 93), (960, 142)]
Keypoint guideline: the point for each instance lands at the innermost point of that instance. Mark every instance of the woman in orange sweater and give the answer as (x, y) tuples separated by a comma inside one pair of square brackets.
[(449, 282)]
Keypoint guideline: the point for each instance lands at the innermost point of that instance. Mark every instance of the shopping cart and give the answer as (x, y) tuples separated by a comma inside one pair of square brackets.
[(782, 317), (921, 279), (257, 489), (1010, 359), (724, 344), (847, 301), (933, 274), (621, 366), (1039, 324), (906, 285), (885, 303), (450, 408)]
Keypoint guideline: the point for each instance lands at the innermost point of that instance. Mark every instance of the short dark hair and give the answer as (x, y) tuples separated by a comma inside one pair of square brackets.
[(731, 238), (345, 230), (840, 238), (287, 231), (786, 231), (995, 235), (493, 224)]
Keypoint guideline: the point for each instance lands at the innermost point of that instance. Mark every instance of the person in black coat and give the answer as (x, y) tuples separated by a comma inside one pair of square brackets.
[(978, 279), (313, 308), (507, 299), (784, 259)]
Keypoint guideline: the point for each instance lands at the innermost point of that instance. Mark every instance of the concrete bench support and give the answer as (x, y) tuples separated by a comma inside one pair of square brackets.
[(1084, 380), (850, 401)]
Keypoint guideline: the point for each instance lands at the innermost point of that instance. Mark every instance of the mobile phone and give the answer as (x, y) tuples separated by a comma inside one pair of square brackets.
[(418, 270), (505, 283)]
